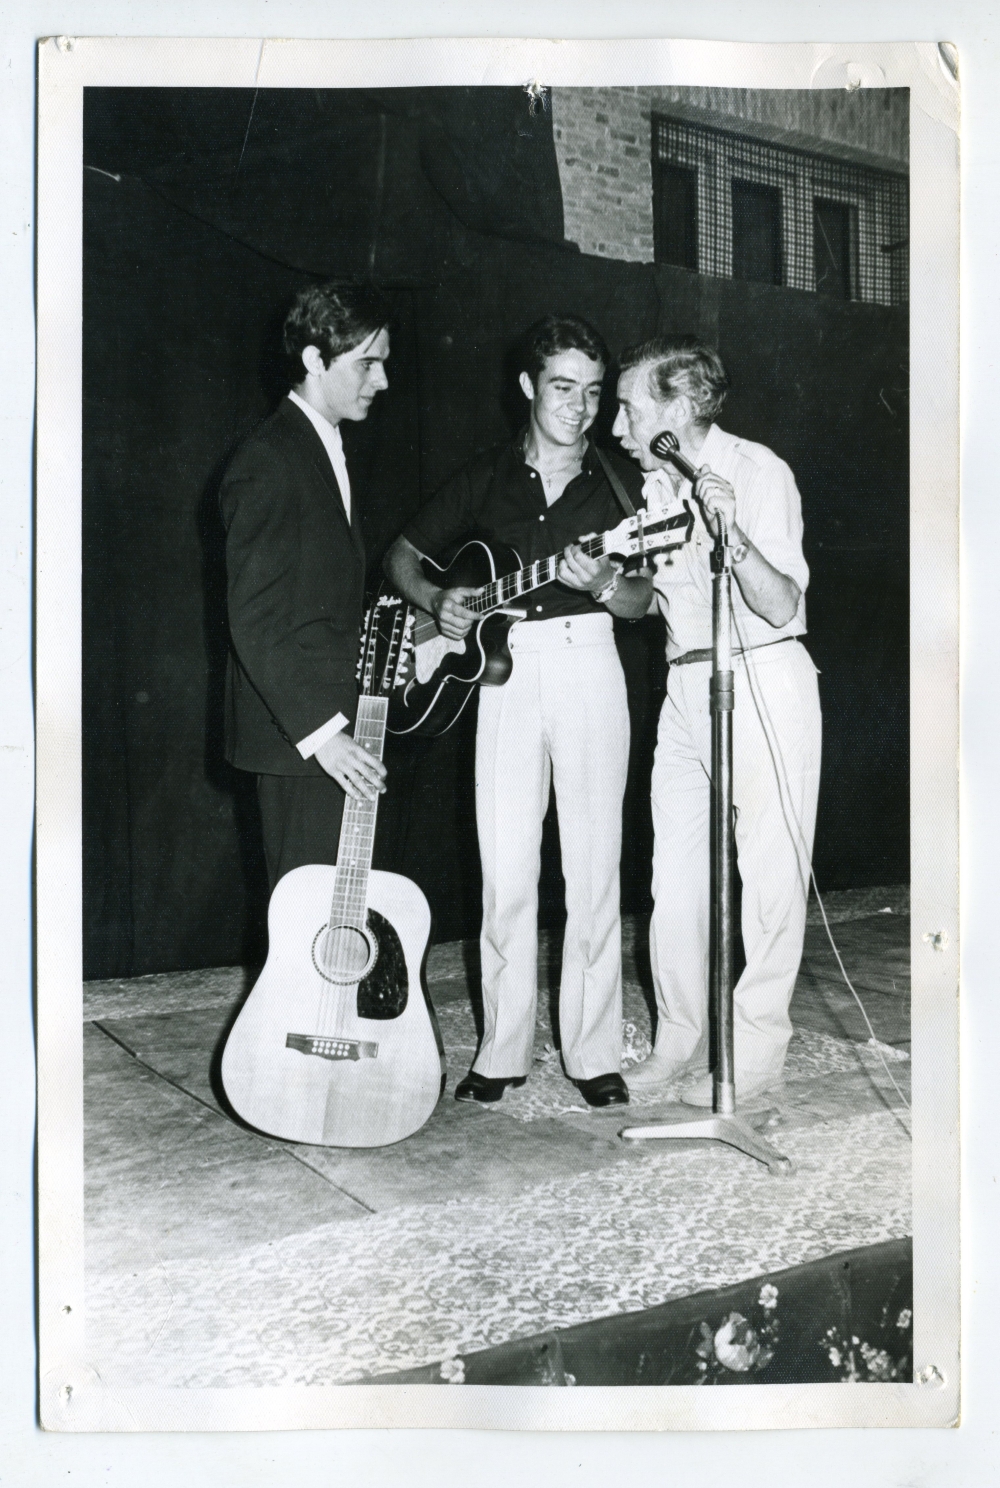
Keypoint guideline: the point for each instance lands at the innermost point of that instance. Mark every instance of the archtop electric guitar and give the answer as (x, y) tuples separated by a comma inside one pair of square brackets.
[(337, 1044), (439, 676)]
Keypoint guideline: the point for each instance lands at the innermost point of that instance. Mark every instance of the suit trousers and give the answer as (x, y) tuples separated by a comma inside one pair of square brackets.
[(300, 816), (776, 762), (561, 720)]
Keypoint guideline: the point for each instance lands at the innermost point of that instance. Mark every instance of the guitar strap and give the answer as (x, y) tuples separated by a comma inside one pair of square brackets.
[(614, 482)]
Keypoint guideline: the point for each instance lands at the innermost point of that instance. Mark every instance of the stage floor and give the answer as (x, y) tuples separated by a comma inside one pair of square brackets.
[(219, 1257)]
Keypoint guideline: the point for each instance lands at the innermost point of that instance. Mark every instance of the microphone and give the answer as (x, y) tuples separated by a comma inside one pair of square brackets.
[(665, 447)]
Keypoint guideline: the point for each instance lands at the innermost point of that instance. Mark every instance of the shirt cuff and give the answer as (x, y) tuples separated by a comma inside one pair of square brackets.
[(307, 747)]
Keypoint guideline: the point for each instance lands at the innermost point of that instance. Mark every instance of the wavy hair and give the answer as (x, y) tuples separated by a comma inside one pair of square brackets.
[(682, 364), (555, 333), (334, 318)]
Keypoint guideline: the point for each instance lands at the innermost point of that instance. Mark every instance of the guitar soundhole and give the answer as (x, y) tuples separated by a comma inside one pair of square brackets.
[(344, 954), (372, 959)]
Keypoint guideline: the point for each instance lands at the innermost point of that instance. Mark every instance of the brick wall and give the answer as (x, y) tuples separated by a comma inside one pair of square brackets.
[(603, 145)]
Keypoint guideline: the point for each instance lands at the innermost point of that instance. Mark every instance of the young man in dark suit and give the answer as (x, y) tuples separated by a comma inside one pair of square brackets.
[(296, 570)]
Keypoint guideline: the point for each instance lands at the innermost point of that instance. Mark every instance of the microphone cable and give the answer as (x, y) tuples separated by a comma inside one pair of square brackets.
[(666, 446), (798, 836)]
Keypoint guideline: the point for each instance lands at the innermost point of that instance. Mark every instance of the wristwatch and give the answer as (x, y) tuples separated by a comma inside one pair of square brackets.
[(610, 587), (740, 551)]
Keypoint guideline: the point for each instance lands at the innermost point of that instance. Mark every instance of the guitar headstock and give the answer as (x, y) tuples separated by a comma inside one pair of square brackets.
[(654, 531), (386, 646)]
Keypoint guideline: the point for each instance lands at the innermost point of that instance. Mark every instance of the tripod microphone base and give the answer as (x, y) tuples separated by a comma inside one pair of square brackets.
[(732, 1130)]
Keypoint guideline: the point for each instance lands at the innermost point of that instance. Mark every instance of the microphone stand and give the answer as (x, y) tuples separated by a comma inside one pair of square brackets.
[(723, 1125)]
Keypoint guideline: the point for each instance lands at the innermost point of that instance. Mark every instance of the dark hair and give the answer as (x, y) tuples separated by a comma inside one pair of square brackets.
[(555, 333), (682, 364), (334, 318)]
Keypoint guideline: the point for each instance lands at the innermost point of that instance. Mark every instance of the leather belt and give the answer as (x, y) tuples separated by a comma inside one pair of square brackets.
[(708, 653)]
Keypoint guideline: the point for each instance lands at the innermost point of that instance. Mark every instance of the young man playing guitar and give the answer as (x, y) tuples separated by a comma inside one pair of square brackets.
[(560, 720)]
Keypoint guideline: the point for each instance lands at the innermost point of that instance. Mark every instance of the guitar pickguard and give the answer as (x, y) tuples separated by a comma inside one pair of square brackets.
[(428, 655), (383, 992)]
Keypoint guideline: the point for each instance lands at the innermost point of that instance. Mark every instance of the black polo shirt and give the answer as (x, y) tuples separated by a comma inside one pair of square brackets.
[(500, 498)]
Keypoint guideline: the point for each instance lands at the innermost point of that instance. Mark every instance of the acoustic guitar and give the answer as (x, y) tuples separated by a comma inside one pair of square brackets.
[(338, 1044), (440, 675)]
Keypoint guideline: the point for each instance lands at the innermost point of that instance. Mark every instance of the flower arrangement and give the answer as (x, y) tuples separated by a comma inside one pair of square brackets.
[(857, 1360), (737, 1345), (452, 1367), (846, 1319)]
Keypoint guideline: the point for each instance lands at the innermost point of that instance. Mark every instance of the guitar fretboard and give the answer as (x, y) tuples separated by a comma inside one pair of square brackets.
[(357, 831), (501, 591)]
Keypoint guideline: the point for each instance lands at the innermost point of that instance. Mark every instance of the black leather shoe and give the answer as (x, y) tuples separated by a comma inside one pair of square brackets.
[(478, 1088), (603, 1090)]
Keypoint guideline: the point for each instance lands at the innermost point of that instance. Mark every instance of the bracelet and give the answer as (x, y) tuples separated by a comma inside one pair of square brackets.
[(609, 588)]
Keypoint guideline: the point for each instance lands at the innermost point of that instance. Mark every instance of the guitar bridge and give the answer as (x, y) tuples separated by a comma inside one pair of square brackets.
[(323, 1047)]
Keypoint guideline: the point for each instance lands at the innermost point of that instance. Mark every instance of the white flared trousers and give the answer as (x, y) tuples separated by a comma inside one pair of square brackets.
[(776, 762), (561, 720)]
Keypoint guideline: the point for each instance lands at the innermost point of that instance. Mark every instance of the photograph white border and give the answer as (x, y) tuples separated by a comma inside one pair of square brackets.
[(72, 1397)]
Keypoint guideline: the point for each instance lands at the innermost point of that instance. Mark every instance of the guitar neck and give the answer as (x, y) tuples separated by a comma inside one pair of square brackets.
[(357, 831), (503, 590)]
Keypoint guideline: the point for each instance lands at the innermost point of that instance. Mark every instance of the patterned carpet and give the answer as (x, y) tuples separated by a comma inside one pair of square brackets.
[(489, 1225), (548, 1092), (416, 1285)]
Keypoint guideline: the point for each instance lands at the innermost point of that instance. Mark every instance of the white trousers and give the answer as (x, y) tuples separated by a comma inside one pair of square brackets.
[(776, 761), (560, 720)]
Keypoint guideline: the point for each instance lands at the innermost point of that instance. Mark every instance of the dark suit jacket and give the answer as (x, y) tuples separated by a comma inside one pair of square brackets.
[(296, 571)]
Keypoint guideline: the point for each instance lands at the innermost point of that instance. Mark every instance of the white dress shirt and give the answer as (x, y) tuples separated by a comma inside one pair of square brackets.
[(334, 446), (768, 511)]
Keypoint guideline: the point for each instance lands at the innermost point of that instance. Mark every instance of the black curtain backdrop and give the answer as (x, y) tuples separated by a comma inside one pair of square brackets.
[(205, 210)]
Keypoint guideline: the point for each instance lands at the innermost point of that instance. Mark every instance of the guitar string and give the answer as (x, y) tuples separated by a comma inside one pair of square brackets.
[(509, 586), (348, 907), (352, 874)]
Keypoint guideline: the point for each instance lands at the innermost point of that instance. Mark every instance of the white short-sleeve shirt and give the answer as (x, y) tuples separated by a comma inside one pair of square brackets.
[(769, 512)]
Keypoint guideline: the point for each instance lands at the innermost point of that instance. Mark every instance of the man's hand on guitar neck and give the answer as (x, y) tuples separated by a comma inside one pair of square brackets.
[(600, 578), (353, 768), (579, 571)]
